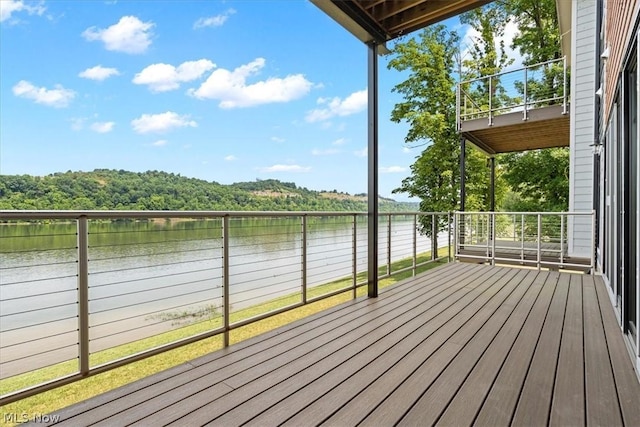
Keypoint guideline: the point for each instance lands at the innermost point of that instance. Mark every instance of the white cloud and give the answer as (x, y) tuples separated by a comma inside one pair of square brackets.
[(277, 139), (406, 150), (9, 7), (230, 158), (164, 77), (286, 168), (340, 141), (231, 88), (213, 21), (352, 104), (160, 143), (77, 123), (58, 97), (327, 152), (160, 123), (102, 127), (129, 35), (99, 73), (361, 153), (392, 169)]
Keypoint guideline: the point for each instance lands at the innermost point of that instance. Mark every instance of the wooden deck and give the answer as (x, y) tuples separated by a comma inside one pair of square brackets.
[(459, 345)]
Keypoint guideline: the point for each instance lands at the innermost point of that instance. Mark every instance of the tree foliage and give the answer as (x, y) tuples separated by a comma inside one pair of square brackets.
[(429, 107), (429, 102)]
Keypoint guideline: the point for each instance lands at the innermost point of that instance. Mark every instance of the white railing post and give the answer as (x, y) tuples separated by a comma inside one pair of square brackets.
[(490, 101), (539, 241), (415, 243), (449, 226), (564, 85), (492, 233), (522, 238), (525, 113), (225, 279), (389, 245), (593, 242), (83, 294), (561, 239)]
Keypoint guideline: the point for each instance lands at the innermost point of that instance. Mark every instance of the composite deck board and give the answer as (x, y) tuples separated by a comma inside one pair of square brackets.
[(567, 405), (600, 390), (462, 344), (627, 387), (361, 370), (533, 397), (469, 399)]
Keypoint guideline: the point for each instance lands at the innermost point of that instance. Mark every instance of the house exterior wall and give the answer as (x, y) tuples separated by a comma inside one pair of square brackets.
[(618, 28), (620, 180), (583, 81)]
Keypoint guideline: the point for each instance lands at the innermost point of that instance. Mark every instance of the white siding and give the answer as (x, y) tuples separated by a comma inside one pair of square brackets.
[(582, 115)]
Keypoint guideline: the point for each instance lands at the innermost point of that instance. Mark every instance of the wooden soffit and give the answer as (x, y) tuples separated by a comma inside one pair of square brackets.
[(384, 20)]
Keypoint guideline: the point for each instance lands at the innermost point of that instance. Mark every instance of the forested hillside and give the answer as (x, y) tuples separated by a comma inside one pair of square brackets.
[(105, 189)]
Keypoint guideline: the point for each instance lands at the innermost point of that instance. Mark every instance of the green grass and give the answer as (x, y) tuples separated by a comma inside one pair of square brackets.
[(61, 397)]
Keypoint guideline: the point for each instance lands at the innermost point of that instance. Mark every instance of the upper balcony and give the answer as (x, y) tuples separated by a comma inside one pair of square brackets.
[(517, 110)]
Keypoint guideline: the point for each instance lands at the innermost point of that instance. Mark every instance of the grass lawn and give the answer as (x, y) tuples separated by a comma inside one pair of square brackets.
[(61, 397)]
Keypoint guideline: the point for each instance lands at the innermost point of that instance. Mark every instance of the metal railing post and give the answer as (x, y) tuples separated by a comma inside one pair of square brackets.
[(564, 85), (354, 255), (492, 216), (225, 279), (490, 101), (304, 259), (561, 239), (539, 241), (449, 224), (389, 245), (415, 243), (593, 242), (83, 294), (522, 238), (434, 237), (525, 113)]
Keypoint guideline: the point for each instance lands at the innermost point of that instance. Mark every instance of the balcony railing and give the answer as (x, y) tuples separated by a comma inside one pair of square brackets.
[(85, 292), (537, 239), (519, 90)]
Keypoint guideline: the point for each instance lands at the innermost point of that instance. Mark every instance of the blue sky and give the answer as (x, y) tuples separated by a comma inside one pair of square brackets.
[(224, 91)]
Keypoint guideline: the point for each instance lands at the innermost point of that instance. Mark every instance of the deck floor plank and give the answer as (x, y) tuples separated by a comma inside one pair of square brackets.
[(287, 379), (404, 397), (495, 337), (360, 371), (628, 389), (534, 394), (568, 403), (601, 399), (469, 399), (462, 344)]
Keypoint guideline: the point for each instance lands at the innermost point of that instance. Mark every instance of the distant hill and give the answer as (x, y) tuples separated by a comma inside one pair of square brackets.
[(106, 189)]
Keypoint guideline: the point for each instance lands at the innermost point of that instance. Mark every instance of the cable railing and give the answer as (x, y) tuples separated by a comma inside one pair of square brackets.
[(83, 292), (537, 239), (519, 90)]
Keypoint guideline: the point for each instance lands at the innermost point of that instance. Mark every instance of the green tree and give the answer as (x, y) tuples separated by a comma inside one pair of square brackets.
[(540, 180)]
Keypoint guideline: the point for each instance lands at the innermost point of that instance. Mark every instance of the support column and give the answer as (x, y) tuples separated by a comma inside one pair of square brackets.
[(372, 147)]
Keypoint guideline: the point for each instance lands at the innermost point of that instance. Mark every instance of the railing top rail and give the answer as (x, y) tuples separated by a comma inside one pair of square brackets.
[(515, 70), (75, 214)]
